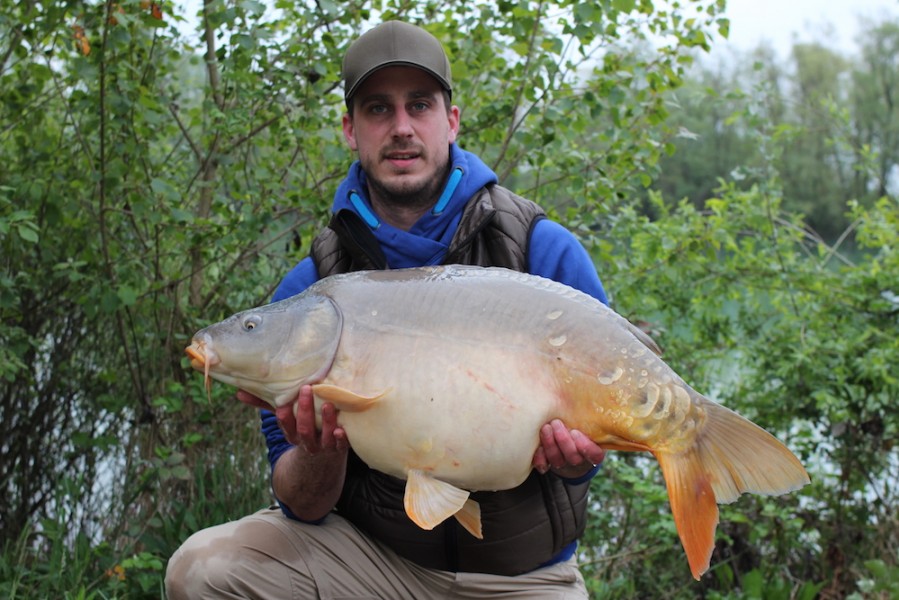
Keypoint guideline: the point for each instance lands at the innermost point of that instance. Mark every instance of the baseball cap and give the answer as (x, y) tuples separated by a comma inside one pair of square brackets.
[(394, 43)]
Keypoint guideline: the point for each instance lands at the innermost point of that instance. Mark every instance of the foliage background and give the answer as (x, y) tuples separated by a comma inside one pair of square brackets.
[(160, 173)]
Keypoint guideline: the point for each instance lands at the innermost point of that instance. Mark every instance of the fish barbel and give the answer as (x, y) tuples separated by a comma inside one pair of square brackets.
[(443, 377)]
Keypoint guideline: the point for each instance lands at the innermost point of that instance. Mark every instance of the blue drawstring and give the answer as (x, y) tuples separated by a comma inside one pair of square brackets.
[(454, 179), (369, 217)]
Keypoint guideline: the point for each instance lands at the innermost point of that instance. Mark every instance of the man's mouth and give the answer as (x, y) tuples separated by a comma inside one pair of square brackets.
[(402, 159)]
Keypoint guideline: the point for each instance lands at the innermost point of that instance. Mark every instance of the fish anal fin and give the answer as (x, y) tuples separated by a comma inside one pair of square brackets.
[(609, 442), (469, 516), (693, 505), (344, 399), (429, 502)]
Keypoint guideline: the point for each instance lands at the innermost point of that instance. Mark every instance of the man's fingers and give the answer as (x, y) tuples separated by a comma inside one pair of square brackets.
[(587, 448), (540, 463), (341, 442), (550, 446), (333, 435), (563, 447), (288, 423), (570, 455), (329, 423), (248, 398), (304, 431), (305, 422)]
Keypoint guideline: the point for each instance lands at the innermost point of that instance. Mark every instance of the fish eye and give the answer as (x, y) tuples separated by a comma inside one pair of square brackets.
[(251, 322)]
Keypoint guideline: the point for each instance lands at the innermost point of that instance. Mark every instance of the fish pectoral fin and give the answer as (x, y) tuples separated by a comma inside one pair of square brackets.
[(344, 399), (470, 518), (429, 502)]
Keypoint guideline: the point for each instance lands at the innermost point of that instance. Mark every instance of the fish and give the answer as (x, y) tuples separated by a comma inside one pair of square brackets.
[(443, 377)]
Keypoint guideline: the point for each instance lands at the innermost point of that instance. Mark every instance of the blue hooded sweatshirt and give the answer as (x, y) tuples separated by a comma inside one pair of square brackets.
[(553, 252)]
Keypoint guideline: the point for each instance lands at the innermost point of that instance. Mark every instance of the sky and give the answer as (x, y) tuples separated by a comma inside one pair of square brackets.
[(778, 22), (781, 22)]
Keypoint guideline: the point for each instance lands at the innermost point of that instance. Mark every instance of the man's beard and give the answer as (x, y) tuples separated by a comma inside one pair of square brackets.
[(409, 194)]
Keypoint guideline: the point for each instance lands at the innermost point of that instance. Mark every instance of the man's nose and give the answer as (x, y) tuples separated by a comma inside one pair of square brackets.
[(402, 124)]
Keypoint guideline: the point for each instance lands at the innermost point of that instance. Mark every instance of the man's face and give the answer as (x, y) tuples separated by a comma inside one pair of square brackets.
[(401, 128)]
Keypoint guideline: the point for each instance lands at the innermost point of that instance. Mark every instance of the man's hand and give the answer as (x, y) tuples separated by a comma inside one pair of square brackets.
[(300, 429), (309, 477), (568, 453)]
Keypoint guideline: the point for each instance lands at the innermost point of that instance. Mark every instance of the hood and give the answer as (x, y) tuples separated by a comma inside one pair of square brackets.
[(427, 241)]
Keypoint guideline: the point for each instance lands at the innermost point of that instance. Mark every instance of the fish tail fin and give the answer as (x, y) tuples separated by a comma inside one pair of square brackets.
[(693, 505), (732, 455)]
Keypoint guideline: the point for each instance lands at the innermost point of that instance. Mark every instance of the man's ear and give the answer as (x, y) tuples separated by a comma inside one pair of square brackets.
[(454, 120), (349, 132)]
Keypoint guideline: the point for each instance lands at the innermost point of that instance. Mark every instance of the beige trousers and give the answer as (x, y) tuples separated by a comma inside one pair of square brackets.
[(266, 555)]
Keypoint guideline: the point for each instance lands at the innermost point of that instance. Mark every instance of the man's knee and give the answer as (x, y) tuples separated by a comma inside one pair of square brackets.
[(200, 567), (235, 560)]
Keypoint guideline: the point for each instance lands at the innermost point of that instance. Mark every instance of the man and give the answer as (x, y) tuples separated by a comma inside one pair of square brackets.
[(413, 198)]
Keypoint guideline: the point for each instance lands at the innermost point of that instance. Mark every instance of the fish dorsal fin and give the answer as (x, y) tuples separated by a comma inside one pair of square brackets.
[(644, 337), (344, 399), (429, 502), (470, 518)]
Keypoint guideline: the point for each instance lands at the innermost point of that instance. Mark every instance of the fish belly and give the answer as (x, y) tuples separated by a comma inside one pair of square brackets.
[(470, 364), (467, 416)]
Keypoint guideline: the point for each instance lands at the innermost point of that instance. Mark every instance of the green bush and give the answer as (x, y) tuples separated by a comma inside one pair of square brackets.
[(172, 174)]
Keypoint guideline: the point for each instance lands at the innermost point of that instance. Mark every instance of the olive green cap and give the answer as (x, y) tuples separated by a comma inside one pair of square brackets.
[(394, 43)]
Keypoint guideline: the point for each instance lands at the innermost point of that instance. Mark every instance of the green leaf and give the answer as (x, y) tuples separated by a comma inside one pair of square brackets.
[(164, 189), (127, 295), (27, 232)]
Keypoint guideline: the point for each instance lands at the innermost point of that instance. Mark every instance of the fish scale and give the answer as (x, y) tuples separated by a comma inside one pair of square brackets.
[(443, 376)]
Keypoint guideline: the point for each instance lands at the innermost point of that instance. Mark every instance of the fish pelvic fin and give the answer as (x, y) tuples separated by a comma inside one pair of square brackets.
[(344, 399), (470, 518), (429, 502), (731, 456)]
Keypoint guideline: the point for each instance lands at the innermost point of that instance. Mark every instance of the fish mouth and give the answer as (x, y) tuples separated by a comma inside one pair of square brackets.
[(202, 358), (195, 353)]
